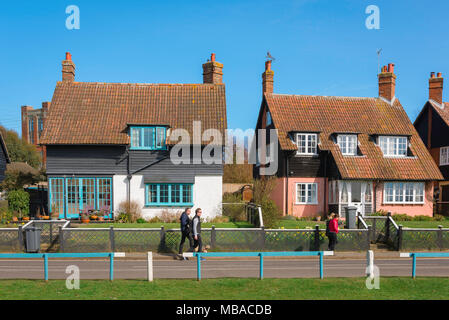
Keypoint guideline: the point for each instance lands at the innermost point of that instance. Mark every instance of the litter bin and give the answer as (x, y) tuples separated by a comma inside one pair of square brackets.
[(33, 239), (351, 214)]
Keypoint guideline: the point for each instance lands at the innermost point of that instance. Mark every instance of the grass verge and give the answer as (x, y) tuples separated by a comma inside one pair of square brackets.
[(234, 289)]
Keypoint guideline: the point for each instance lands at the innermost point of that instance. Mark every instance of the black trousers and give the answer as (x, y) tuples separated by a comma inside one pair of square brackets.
[(198, 243), (332, 240), (186, 234)]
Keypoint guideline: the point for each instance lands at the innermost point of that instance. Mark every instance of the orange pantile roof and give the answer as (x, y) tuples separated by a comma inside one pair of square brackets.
[(99, 113), (366, 116)]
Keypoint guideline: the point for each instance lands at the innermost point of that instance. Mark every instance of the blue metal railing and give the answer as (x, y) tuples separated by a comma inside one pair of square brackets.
[(261, 255), (45, 256), (415, 255)]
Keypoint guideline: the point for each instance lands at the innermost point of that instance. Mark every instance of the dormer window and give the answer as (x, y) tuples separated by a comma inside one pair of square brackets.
[(307, 143), (347, 144), (393, 146), (148, 138)]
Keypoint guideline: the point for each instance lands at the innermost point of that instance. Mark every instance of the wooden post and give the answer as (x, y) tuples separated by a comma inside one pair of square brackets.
[(61, 239), (400, 238)]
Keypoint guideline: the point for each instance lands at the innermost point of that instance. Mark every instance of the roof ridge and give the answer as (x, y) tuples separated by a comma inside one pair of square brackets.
[(320, 96), (142, 84)]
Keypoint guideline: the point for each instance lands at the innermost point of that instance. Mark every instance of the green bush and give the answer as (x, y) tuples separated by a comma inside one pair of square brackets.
[(140, 220), (439, 217), (402, 217), (422, 218), (235, 212), (262, 190), (19, 202)]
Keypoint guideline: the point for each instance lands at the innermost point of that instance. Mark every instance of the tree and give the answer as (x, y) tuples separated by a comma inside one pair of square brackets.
[(19, 150), (19, 174), (238, 173)]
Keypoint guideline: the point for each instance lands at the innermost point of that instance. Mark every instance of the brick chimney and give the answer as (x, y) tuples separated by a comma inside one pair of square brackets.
[(436, 87), (212, 71), (387, 82), (68, 68), (267, 78)]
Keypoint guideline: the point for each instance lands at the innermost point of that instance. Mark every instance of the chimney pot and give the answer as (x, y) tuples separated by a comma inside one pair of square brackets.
[(212, 57), (68, 68), (439, 75), (212, 71), (432, 74), (68, 56)]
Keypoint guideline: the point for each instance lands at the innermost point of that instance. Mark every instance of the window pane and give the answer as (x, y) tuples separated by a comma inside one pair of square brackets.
[(136, 139), (163, 193), (389, 192), (57, 196), (73, 199), (175, 193), (398, 192), (409, 192), (344, 193), (419, 192), (160, 137), (187, 193), (356, 191), (148, 137), (152, 193), (88, 194), (104, 194)]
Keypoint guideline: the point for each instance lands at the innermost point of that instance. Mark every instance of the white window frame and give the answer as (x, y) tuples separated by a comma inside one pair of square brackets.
[(307, 186), (344, 141), (390, 153), (404, 187), (444, 156), (310, 150)]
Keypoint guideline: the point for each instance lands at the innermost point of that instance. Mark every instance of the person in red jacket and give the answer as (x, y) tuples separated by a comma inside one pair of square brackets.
[(333, 230)]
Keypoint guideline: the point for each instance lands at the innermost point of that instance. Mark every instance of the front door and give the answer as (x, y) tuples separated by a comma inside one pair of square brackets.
[(356, 199), (357, 194)]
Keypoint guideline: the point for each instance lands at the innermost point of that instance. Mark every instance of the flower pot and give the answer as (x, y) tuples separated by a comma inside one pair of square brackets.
[(100, 218), (26, 219), (14, 219), (85, 220), (93, 218), (46, 217)]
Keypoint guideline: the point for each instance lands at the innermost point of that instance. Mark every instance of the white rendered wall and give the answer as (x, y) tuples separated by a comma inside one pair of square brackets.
[(207, 195)]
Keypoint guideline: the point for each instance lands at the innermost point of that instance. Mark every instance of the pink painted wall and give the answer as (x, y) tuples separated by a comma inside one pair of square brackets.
[(299, 210), (425, 209)]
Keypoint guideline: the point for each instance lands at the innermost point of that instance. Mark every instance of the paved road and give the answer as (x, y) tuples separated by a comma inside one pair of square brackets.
[(285, 268)]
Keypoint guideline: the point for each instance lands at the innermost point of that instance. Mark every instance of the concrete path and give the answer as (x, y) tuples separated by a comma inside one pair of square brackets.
[(130, 268)]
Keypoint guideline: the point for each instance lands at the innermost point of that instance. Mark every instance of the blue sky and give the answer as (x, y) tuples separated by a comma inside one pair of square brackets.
[(321, 47)]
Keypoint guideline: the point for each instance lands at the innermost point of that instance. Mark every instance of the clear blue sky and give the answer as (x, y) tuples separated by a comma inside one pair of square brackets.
[(321, 47)]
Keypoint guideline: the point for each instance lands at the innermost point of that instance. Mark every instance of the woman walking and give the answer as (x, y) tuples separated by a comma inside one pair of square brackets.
[(332, 230)]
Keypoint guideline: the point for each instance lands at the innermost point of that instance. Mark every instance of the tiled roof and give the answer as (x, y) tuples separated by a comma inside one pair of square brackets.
[(366, 116), (443, 112), (98, 113)]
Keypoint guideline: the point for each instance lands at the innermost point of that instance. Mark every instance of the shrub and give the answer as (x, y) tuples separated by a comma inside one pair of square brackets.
[(130, 209), (422, 218), (379, 213), (155, 220), (220, 219), (140, 220), (262, 190), (439, 217), (235, 212), (401, 217), (170, 216), (19, 202)]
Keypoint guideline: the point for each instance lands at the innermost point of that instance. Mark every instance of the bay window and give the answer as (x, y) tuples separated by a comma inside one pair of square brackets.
[(404, 192)]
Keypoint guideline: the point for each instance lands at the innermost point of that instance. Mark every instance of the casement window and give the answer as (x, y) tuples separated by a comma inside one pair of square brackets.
[(347, 144), (306, 193), (307, 143), (70, 196), (164, 194), (404, 192), (40, 126), (148, 138), (392, 146), (444, 156)]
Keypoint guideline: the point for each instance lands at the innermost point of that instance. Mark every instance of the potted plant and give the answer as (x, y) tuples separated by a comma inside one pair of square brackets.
[(94, 216), (85, 215), (46, 217)]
